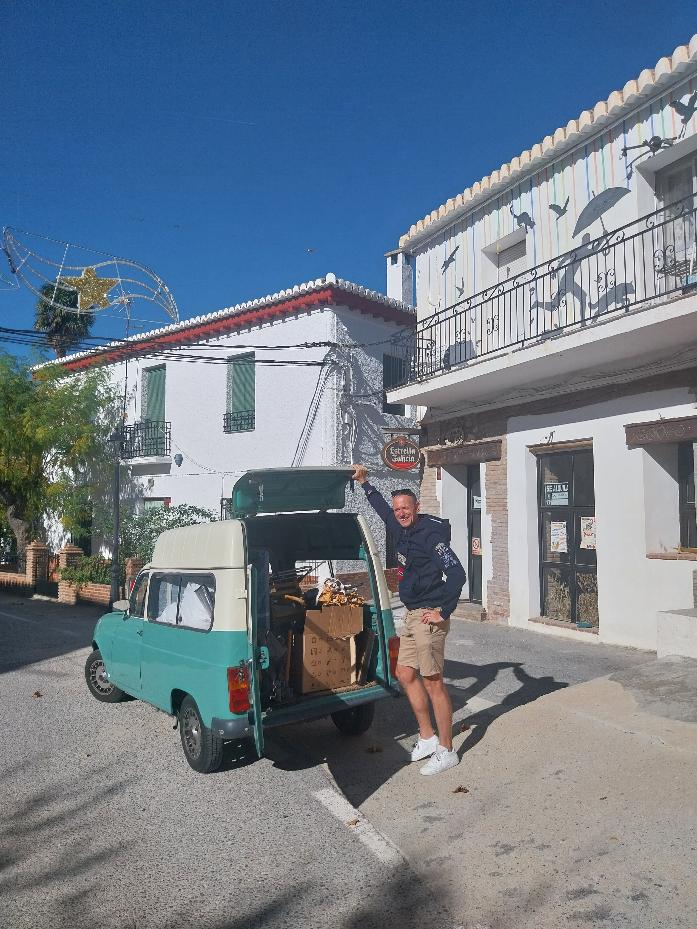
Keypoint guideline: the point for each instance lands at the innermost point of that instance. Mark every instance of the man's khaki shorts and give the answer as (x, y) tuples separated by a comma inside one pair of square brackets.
[(422, 645)]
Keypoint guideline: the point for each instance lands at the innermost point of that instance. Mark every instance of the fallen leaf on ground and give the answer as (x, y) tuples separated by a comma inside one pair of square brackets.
[(373, 749), (37, 693), (353, 822), (464, 727), (613, 838), (461, 790), (602, 798)]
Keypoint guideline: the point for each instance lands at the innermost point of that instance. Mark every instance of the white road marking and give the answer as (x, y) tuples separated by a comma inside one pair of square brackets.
[(374, 841)]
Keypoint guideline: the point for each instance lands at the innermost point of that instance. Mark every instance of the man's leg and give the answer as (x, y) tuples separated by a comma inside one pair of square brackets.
[(418, 699), (442, 708)]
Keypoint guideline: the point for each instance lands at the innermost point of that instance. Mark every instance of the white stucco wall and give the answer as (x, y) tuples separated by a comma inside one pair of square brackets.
[(346, 426), (636, 512)]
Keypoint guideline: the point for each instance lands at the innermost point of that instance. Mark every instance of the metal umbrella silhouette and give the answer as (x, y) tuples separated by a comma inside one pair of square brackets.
[(596, 207)]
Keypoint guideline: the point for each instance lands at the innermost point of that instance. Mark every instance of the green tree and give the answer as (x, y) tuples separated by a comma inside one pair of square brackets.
[(54, 430), (139, 533), (58, 316)]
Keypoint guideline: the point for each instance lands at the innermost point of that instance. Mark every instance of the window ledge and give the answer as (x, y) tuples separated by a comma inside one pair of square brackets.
[(672, 556), (560, 624)]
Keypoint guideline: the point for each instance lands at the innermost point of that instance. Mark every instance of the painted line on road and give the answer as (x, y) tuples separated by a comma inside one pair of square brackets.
[(380, 846)]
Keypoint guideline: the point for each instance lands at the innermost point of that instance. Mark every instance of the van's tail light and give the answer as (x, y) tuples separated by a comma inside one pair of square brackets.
[(238, 688), (393, 648)]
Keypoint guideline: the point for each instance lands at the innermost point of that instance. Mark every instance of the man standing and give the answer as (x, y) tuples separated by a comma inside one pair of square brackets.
[(431, 582)]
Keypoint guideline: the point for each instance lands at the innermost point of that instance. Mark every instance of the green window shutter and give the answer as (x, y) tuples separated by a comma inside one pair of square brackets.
[(154, 394), (241, 393), (394, 373)]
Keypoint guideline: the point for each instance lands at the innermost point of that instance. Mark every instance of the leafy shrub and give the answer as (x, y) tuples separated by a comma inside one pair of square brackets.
[(91, 569), (139, 533)]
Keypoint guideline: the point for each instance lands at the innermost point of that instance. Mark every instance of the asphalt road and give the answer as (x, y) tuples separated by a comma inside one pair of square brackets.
[(103, 822)]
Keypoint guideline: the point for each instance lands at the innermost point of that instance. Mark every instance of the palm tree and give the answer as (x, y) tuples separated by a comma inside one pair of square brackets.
[(64, 328)]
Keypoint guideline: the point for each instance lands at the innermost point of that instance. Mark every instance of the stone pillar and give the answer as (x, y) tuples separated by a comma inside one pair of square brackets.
[(37, 562), (133, 567), (68, 555)]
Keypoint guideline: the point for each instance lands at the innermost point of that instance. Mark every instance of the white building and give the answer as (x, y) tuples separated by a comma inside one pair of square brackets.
[(555, 360), (294, 378)]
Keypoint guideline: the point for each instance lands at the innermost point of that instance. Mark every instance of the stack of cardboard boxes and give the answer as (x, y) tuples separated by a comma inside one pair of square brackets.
[(327, 654)]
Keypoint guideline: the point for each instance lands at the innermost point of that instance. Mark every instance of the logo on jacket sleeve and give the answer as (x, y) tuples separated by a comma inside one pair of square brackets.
[(446, 555)]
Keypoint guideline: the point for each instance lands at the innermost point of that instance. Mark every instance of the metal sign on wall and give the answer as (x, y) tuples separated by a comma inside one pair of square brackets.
[(401, 454)]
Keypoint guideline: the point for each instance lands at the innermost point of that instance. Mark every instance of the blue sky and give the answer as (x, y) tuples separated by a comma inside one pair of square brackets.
[(217, 142)]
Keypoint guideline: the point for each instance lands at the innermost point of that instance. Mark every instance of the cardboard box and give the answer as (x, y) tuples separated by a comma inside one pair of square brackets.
[(322, 662), (337, 621)]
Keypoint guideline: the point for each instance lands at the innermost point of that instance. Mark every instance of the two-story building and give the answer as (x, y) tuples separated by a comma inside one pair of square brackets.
[(294, 378), (555, 359)]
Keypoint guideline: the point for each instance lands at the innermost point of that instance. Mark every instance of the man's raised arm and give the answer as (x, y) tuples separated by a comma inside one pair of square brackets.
[(375, 498)]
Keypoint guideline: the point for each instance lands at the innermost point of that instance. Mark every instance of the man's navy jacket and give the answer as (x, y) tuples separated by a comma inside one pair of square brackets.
[(424, 553)]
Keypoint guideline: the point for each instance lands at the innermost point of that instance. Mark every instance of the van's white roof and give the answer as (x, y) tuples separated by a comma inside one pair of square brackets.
[(206, 545)]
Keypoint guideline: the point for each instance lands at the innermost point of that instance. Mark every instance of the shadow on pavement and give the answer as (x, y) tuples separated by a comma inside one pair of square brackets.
[(360, 765), (36, 630)]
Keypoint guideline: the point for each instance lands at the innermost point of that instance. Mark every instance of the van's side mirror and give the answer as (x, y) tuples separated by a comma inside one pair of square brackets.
[(121, 605)]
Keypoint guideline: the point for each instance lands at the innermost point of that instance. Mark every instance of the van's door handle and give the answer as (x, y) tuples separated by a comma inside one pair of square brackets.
[(139, 632)]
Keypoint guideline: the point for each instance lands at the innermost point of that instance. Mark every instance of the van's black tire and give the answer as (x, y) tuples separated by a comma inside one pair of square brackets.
[(355, 720), (203, 749), (98, 683)]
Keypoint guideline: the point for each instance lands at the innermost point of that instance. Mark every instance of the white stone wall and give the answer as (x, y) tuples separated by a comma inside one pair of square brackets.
[(346, 426), (636, 512)]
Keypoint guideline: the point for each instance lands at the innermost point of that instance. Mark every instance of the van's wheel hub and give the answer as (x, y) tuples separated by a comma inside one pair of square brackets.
[(100, 679), (192, 733)]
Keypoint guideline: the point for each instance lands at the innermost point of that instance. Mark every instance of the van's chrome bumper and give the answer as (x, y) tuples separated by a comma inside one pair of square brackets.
[(231, 728)]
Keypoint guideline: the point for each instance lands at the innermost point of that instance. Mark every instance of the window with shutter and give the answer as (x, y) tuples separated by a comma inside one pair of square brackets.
[(511, 260), (394, 374), (241, 399), (153, 404)]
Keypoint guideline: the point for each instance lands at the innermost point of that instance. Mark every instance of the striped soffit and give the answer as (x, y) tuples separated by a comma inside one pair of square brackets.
[(651, 81)]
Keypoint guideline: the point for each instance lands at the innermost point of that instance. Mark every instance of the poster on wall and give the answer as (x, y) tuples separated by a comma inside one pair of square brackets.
[(557, 494), (588, 532), (557, 537)]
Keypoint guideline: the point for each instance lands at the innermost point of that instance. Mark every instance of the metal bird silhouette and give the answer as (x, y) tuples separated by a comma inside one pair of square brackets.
[(685, 111), (460, 288), (523, 219), (449, 260), (559, 210)]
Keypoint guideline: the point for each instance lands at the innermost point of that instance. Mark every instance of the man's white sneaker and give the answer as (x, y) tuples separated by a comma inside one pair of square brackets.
[(440, 760), (424, 748)]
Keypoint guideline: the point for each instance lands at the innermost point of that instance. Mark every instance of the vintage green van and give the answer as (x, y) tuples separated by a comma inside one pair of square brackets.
[(199, 637)]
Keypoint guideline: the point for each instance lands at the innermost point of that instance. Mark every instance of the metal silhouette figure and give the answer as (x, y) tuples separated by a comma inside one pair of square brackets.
[(449, 260), (685, 110), (651, 146), (559, 210), (523, 219), (460, 288)]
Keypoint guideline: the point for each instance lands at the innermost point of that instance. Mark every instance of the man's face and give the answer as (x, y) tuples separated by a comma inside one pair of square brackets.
[(405, 508)]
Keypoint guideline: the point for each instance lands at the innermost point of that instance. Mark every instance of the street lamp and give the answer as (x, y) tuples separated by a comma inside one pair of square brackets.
[(116, 438)]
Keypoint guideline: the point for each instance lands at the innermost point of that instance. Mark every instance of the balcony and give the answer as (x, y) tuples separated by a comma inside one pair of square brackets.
[(146, 447), (629, 296), (239, 422)]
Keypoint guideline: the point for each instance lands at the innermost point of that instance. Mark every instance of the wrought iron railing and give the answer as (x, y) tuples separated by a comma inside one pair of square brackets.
[(147, 439), (645, 261), (238, 422)]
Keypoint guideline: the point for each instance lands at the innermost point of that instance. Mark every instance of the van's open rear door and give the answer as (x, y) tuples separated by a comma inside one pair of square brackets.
[(257, 658), (290, 490)]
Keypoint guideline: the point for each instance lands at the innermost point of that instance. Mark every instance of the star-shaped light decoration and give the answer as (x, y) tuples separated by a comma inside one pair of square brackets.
[(91, 290)]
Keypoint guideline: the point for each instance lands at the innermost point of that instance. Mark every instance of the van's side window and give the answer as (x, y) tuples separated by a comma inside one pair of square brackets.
[(186, 600), (163, 599), (137, 598)]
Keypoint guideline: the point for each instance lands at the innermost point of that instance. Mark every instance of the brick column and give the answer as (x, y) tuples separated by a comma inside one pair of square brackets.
[(133, 568), (37, 562), (428, 495), (68, 555)]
